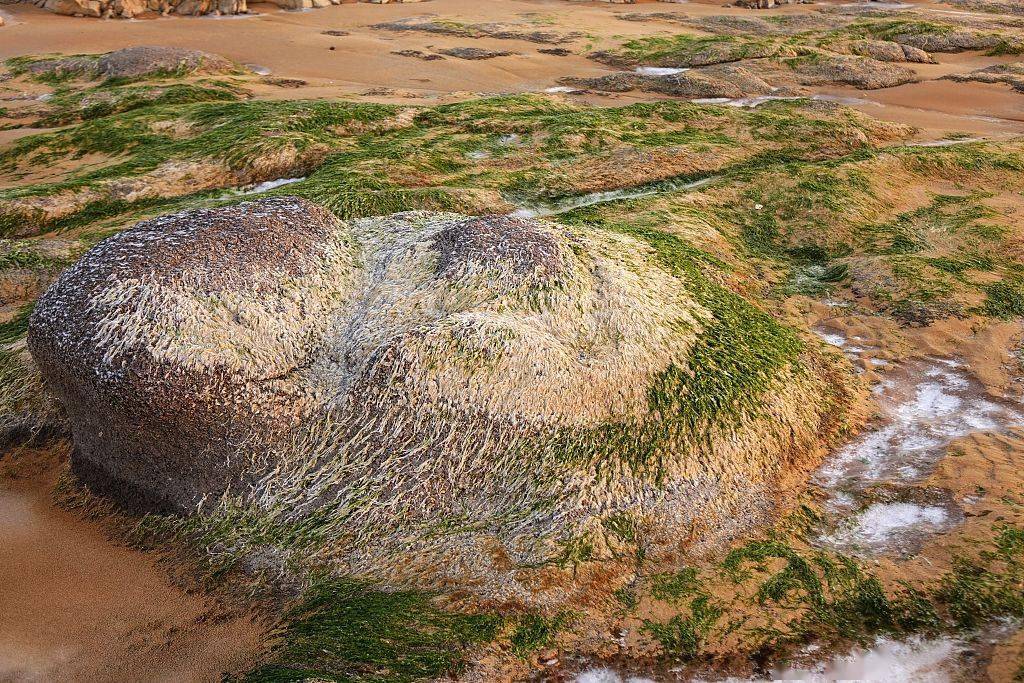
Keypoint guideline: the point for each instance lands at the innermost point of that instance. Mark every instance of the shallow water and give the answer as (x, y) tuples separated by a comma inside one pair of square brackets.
[(608, 676)]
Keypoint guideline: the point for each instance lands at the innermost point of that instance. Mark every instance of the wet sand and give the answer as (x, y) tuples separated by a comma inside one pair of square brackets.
[(77, 607)]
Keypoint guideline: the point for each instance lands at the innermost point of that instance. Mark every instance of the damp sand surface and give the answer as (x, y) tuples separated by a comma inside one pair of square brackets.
[(76, 606)]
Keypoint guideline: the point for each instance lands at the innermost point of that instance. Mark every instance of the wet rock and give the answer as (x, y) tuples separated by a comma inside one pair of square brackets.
[(556, 51), (286, 82), (474, 53), (130, 8), (618, 82), (780, 25), (133, 62), (156, 423), (762, 4)]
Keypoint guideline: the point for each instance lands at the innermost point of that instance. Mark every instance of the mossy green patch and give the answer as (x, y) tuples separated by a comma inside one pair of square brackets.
[(348, 630)]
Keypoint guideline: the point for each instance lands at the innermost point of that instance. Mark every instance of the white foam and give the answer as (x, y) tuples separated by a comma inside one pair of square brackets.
[(924, 406), (753, 102), (560, 88), (257, 69), (946, 143), (570, 203), (607, 676), (659, 70), (270, 185), (832, 338), (878, 5), (882, 524), (888, 661)]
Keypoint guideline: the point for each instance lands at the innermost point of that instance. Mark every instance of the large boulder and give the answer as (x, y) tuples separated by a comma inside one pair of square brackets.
[(488, 389)]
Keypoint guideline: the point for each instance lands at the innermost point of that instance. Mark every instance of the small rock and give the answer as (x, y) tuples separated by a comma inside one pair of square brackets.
[(474, 53)]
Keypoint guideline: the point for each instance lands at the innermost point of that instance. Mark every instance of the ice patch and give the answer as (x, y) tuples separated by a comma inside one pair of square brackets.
[(659, 70)]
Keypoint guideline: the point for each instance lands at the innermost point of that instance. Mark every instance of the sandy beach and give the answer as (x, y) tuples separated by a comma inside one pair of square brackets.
[(867, 196)]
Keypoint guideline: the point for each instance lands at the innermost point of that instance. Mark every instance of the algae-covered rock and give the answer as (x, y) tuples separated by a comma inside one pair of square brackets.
[(860, 72), (494, 389)]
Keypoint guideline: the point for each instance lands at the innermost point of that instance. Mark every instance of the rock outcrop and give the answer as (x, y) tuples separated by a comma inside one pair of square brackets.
[(133, 62), (860, 72), (725, 80), (1010, 74), (478, 391)]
